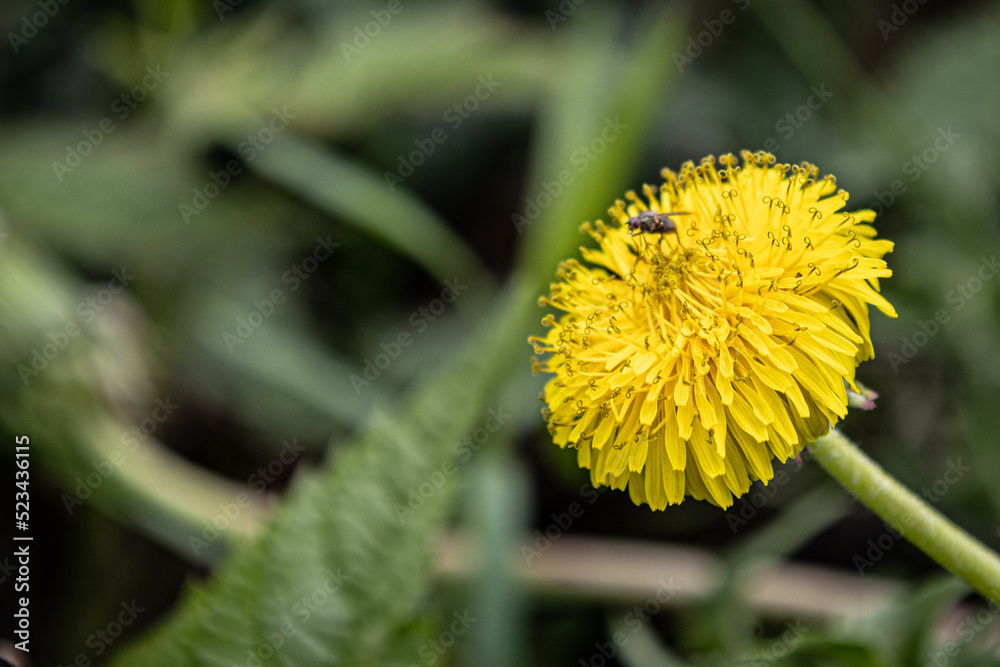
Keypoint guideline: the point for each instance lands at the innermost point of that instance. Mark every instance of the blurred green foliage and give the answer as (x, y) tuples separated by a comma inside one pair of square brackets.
[(254, 212)]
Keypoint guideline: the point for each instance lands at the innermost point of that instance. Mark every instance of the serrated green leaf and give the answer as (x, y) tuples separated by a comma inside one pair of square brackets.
[(343, 560)]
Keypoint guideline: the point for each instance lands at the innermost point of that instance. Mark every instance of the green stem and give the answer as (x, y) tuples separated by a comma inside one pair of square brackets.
[(907, 514)]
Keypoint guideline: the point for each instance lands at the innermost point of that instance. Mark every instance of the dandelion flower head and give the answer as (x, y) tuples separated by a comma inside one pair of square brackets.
[(687, 359)]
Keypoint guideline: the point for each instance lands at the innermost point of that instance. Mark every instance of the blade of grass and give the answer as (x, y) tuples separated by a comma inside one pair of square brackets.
[(799, 522), (824, 58), (582, 113), (352, 193), (498, 516), (286, 359)]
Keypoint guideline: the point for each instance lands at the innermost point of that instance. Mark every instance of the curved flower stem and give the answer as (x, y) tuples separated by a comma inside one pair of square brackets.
[(907, 514)]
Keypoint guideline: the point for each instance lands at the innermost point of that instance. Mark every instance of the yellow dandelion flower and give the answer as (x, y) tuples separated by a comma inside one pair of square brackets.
[(695, 348)]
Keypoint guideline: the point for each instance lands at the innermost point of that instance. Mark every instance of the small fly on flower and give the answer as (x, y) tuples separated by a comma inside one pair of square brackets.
[(651, 222)]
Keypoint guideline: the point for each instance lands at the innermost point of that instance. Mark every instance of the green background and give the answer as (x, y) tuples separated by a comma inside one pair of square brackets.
[(216, 218)]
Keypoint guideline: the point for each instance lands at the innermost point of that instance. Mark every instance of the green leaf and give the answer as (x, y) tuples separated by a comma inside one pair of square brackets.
[(80, 405), (423, 62), (825, 652), (283, 358), (798, 523), (121, 204), (639, 645), (594, 128), (498, 518), (347, 190), (344, 563)]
